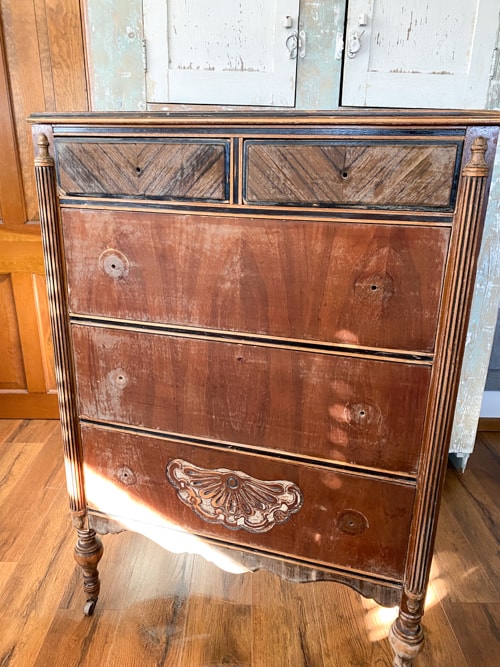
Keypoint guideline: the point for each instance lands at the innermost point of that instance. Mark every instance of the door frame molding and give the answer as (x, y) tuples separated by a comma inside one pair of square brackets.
[(12, 206)]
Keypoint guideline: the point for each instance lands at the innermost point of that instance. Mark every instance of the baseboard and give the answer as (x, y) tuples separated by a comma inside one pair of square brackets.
[(29, 406), (488, 424)]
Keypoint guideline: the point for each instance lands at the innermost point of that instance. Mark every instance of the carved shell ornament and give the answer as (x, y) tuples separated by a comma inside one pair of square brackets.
[(233, 498)]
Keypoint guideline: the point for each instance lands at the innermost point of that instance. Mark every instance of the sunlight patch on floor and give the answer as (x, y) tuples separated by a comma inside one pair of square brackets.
[(107, 497), (379, 619)]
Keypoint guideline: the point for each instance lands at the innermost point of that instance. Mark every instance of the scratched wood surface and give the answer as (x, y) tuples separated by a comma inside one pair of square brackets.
[(330, 407), (113, 34), (287, 278), (161, 609), (166, 170), (356, 533), (434, 58), (359, 175)]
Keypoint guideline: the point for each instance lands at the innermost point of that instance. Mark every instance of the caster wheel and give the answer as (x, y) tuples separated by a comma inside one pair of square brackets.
[(89, 607)]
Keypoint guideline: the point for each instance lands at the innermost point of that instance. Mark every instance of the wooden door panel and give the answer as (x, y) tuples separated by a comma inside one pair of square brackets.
[(12, 368), (27, 380), (41, 67), (43, 330), (12, 209)]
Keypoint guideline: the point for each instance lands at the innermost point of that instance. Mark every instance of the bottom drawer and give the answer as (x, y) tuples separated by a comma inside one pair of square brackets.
[(310, 512)]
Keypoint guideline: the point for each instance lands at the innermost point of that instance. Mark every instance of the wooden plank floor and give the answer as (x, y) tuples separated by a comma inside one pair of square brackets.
[(159, 609)]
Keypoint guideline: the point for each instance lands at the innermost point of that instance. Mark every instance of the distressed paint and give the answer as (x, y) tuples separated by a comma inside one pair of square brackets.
[(494, 87), (414, 54), (221, 52), (481, 328), (118, 83), (319, 73), (114, 47)]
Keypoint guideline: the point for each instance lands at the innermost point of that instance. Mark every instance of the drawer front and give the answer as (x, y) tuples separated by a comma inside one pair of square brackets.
[(175, 169), (367, 285), (350, 174), (332, 407), (315, 514)]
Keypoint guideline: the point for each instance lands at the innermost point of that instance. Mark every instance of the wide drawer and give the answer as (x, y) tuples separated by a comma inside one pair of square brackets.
[(187, 169), (315, 514), (355, 173), (333, 407), (361, 284)]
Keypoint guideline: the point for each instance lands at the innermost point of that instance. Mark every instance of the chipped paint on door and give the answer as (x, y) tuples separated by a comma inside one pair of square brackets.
[(224, 52), (419, 54), (114, 55), (318, 74)]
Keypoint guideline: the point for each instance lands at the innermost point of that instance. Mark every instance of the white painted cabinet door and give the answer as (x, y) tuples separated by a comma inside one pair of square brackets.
[(228, 52), (419, 53)]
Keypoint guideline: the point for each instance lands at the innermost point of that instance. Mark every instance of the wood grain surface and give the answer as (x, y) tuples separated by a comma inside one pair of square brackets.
[(351, 521), (325, 406), (163, 170), (365, 285), (41, 67), (356, 174)]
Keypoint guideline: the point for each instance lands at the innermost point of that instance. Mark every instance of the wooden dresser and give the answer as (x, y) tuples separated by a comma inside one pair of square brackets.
[(258, 324)]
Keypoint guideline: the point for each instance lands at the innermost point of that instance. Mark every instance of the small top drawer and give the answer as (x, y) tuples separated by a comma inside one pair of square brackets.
[(350, 173), (176, 169)]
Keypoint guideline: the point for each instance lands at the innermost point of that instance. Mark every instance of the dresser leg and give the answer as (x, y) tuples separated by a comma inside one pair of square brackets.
[(406, 635), (88, 553)]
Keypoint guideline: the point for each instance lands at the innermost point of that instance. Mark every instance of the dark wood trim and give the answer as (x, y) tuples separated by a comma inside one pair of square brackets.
[(488, 424), (369, 117)]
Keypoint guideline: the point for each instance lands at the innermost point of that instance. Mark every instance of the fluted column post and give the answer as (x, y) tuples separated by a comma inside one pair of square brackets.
[(88, 549), (406, 635)]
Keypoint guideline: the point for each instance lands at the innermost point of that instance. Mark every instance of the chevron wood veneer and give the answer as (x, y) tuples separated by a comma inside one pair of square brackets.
[(349, 174), (183, 170)]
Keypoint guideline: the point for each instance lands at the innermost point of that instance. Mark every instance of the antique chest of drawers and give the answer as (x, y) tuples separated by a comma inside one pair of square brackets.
[(258, 323)]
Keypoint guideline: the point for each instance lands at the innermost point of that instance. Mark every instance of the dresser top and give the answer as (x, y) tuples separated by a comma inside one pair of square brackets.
[(345, 116)]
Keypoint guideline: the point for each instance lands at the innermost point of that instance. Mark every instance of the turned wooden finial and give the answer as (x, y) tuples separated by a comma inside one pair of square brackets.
[(477, 165), (43, 159)]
